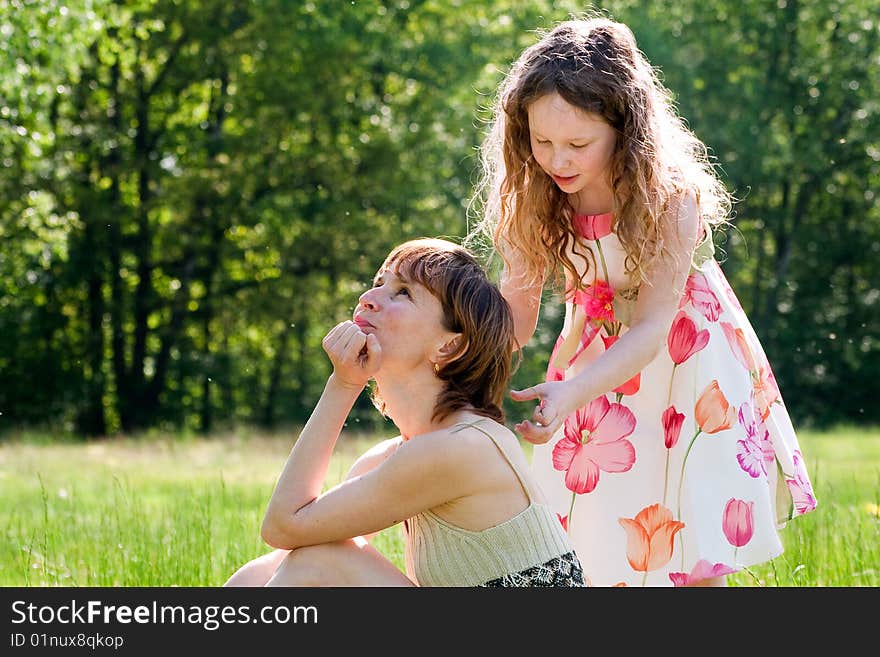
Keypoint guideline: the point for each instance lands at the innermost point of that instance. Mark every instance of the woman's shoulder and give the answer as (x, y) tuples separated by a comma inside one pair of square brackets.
[(374, 456), (482, 439), (465, 441), (383, 448), (471, 456)]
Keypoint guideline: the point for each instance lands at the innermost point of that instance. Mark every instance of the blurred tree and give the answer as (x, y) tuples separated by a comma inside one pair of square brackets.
[(195, 191)]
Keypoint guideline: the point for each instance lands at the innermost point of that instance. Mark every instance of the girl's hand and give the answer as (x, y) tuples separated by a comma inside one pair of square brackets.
[(558, 401), (355, 355)]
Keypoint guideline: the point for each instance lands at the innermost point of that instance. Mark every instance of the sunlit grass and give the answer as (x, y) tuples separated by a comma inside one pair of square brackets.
[(186, 512)]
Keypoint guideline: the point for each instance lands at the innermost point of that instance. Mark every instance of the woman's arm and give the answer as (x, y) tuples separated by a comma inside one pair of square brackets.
[(655, 309), (421, 474), (371, 459), (355, 357), (303, 475)]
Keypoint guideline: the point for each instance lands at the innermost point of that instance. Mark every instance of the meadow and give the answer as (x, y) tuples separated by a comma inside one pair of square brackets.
[(182, 511)]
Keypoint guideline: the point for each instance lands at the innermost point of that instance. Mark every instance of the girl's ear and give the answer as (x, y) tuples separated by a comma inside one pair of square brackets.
[(452, 349)]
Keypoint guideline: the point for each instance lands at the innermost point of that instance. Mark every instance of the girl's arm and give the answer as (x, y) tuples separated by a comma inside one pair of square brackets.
[(524, 299), (655, 309)]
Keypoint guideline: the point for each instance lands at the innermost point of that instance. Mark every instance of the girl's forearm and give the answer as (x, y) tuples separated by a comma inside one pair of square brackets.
[(302, 478), (626, 358)]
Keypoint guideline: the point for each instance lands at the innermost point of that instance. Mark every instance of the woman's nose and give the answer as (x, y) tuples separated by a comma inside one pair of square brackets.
[(368, 299)]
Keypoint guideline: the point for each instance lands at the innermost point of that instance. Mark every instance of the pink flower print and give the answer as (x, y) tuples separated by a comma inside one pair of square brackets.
[(684, 340), (649, 537), (728, 291), (592, 226), (597, 301), (738, 522), (737, 340), (630, 387), (701, 297), (755, 452), (553, 372), (713, 412), (563, 520), (800, 487), (672, 421), (766, 390), (702, 570), (595, 439), (567, 349)]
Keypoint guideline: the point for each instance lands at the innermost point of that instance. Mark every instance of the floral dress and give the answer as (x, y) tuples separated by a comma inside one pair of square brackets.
[(689, 469)]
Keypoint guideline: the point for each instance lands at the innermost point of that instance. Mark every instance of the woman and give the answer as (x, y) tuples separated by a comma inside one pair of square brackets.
[(436, 336)]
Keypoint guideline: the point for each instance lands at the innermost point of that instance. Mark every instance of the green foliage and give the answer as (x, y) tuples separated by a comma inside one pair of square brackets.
[(194, 192)]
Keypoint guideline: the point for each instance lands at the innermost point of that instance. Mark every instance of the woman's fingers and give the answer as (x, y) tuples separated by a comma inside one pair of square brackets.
[(370, 352), (345, 341)]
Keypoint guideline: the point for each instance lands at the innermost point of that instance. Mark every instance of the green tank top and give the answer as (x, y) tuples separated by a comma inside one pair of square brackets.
[(438, 553)]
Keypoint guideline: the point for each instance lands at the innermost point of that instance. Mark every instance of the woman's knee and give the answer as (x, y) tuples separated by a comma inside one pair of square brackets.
[(312, 565), (257, 571)]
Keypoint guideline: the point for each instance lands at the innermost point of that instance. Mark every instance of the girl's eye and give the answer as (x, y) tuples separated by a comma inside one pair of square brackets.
[(579, 146), (404, 290)]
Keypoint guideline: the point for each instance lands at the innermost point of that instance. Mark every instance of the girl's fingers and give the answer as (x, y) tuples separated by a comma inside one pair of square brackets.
[(524, 395), (533, 433)]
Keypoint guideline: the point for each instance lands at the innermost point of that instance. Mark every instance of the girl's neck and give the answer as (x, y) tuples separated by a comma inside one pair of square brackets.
[(593, 201)]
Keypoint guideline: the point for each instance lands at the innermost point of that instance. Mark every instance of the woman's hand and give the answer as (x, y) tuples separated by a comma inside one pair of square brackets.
[(558, 401), (355, 355)]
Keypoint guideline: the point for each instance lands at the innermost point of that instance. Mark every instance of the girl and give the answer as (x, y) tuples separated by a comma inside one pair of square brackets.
[(435, 334), (661, 438)]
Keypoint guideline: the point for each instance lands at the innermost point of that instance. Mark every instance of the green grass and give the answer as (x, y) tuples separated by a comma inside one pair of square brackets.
[(186, 512)]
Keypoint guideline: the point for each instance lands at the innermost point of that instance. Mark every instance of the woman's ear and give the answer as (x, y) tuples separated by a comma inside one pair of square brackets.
[(452, 349)]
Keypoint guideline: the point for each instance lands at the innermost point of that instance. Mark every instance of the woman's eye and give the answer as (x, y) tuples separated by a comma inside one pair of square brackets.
[(579, 146), (404, 290)]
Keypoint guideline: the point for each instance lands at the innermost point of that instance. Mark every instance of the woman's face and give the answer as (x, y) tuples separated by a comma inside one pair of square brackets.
[(572, 146), (406, 319)]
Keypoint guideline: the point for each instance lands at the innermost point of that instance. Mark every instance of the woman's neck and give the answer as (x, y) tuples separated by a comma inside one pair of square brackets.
[(410, 405)]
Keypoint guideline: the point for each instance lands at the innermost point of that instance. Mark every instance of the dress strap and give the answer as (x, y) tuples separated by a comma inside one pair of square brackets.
[(473, 425)]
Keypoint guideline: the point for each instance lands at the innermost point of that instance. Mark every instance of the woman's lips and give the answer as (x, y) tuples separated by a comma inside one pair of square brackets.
[(363, 323), (564, 180)]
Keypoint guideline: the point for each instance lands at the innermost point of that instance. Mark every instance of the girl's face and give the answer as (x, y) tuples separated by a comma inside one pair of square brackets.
[(405, 317), (572, 146)]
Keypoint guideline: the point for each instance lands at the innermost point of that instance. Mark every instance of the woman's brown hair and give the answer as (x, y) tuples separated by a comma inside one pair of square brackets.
[(478, 372)]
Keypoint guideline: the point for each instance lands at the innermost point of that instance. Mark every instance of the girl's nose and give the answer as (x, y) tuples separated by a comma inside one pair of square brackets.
[(559, 160)]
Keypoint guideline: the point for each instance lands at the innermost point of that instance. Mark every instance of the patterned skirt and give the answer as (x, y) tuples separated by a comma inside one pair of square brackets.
[(564, 570)]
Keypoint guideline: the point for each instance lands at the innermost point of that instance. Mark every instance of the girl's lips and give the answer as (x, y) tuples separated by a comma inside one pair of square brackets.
[(363, 323), (562, 180)]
